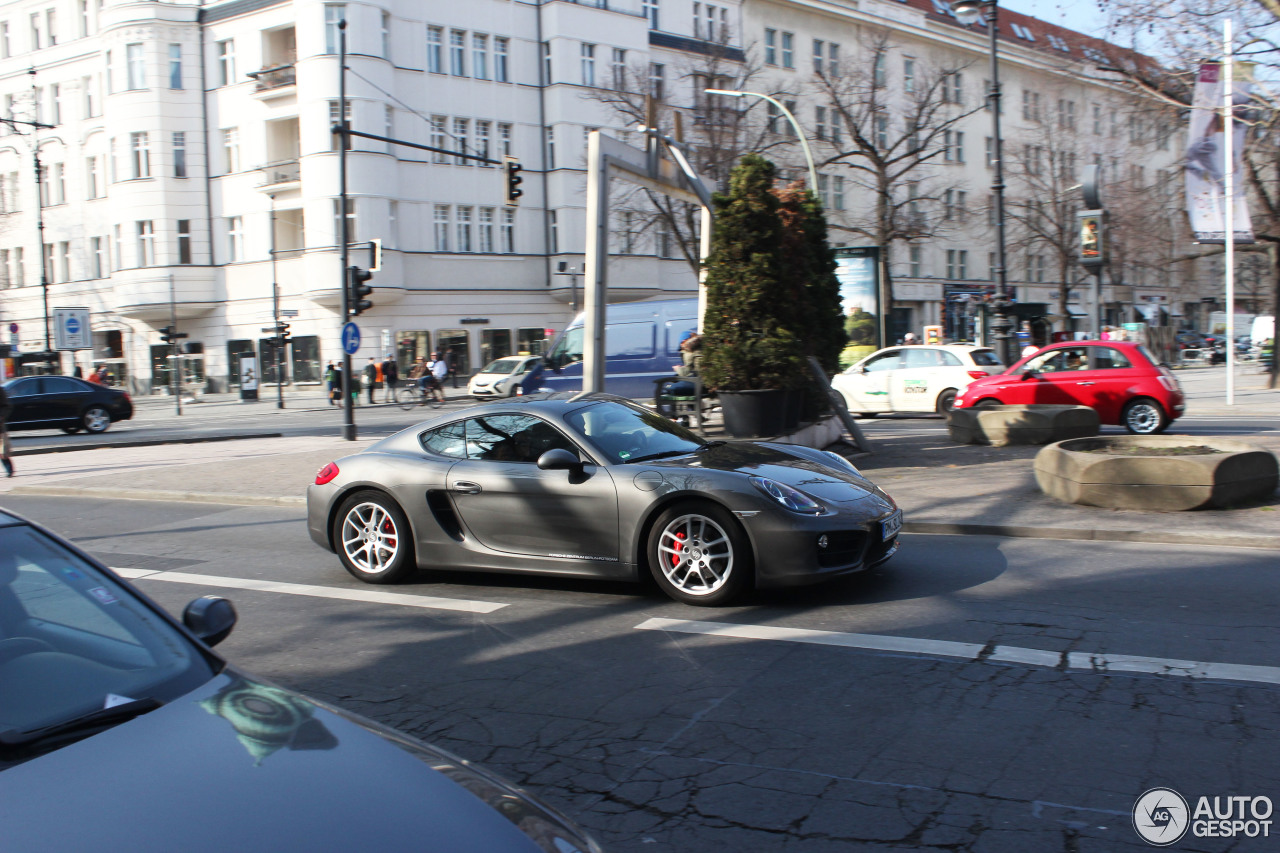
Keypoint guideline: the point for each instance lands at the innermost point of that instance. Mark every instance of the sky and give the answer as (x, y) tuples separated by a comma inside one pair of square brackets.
[(1083, 16)]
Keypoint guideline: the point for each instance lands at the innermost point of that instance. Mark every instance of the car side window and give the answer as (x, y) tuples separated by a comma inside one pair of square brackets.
[(919, 357), (1107, 358), (947, 359), (884, 361), (1068, 358), (60, 385), (449, 441), (513, 438), (25, 387)]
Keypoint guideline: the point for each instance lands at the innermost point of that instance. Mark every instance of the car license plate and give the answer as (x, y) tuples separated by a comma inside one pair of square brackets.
[(891, 525)]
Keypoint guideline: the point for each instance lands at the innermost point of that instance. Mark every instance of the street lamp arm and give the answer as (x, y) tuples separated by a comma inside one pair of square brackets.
[(804, 142)]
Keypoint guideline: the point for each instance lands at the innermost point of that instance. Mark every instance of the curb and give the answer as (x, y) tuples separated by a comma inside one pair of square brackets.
[(160, 495), (148, 442), (1015, 531)]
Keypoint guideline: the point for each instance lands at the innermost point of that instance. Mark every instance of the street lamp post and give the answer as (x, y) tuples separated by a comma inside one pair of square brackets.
[(968, 12), (804, 142)]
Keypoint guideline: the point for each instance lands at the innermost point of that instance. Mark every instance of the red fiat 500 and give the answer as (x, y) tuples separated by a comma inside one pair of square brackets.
[(1122, 380)]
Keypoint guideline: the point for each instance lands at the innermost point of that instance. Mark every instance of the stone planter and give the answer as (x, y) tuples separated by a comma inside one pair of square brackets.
[(1033, 424), (1238, 472)]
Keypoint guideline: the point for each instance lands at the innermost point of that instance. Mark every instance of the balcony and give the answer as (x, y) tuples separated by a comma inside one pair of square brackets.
[(274, 82), (283, 175)]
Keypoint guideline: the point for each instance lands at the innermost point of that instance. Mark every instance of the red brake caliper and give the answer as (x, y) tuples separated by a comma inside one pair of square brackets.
[(675, 558), (388, 527)]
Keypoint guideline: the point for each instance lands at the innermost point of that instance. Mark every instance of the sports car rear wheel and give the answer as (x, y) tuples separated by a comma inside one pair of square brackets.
[(699, 555), (373, 538)]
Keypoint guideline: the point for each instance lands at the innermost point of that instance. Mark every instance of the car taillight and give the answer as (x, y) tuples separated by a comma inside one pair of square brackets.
[(327, 473), (1169, 381), (978, 374)]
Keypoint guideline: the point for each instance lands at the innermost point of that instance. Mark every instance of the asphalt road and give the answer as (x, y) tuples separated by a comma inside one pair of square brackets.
[(974, 694)]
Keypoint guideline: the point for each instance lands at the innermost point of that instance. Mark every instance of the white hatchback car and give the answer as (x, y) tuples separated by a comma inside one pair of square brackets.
[(915, 378), (501, 378)]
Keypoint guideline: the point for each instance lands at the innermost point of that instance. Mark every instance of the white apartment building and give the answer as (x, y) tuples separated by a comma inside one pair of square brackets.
[(189, 169)]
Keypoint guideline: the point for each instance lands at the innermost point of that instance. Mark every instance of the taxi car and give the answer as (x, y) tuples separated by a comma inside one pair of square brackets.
[(914, 378)]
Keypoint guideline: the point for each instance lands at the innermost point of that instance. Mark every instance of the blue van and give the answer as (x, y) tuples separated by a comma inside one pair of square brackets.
[(642, 343)]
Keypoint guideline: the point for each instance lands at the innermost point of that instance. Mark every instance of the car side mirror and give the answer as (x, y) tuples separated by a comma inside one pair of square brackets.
[(210, 618), (863, 370), (559, 459), (1027, 373)]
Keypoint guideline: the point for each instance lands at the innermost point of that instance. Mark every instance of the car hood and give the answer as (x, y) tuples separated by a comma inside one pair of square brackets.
[(239, 764), (789, 464)]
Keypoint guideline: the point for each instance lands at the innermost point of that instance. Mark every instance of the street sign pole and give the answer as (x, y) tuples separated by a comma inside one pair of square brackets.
[(175, 369), (348, 404)]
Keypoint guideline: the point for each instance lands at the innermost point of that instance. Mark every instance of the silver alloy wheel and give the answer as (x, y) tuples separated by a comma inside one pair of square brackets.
[(696, 554), (96, 419), (370, 539), (1143, 417)]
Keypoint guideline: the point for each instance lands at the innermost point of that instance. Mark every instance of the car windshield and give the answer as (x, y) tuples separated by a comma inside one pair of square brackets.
[(74, 641), (625, 432), (503, 365)]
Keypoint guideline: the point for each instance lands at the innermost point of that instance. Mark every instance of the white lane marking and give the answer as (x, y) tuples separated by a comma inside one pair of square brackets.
[(1107, 664), (373, 596)]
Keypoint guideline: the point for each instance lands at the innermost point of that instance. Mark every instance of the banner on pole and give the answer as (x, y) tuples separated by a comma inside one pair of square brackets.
[(1205, 164)]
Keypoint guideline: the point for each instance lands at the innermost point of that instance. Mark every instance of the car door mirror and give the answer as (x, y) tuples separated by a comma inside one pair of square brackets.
[(210, 618), (559, 459), (1029, 372)]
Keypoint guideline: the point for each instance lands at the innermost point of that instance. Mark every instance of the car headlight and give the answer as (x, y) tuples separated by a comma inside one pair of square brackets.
[(792, 499)]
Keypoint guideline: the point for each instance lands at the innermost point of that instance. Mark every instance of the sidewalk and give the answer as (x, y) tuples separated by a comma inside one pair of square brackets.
[(942, 487)]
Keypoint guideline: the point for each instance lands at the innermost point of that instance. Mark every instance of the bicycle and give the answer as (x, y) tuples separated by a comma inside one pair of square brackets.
[(412, 396)]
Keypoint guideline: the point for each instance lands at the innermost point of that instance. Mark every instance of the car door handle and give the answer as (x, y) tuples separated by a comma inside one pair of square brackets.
[(1084, 383), (465, 487)]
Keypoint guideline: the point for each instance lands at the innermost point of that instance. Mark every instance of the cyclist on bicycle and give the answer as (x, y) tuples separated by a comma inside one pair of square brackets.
[(430, 380)]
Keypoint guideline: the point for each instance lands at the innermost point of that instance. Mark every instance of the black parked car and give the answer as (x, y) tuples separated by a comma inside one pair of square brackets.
[(121, 730), (62, 402)]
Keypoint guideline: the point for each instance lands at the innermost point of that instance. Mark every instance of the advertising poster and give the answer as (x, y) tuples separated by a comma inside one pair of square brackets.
[(248, 373), (1205, 161), (858, 271)]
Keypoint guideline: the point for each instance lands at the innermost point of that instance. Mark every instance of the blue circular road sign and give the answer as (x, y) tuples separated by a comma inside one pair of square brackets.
[(350, 338), (72, 326)]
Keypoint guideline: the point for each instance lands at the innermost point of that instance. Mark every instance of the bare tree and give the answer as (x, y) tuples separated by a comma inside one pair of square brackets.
[(892, 142)]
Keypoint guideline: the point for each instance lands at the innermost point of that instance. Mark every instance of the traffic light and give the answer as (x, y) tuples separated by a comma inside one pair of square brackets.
[(356, 302), (282, 330), (170, 336), (513, 180)]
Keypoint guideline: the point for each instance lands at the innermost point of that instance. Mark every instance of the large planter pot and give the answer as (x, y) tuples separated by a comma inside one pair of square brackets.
[(754, 414), (1076, 472)]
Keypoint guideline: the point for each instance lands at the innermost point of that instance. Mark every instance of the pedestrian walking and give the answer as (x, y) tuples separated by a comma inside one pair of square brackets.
[(335, 387), (390, 376), (78, 372), (451, 361), (5, 452), (98, 375), (371, 372), (329, 374)]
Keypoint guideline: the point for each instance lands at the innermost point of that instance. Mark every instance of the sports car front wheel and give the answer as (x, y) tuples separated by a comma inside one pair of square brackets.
[(373, 538), (699, 555)]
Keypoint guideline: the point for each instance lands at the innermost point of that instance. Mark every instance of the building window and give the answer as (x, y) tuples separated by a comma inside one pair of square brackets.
[(1097, 119), (914, 265), (135, 67), (882, 131), (51, 27), (84, 18), (435, 50), (464, 229), (118, 258), (480, 56), (553, 231), (486, 230), (146, 244), (908, 75), (58, 177), (88, 87), (953, 146), (231, 149), (650, 10), (389, 126), (833, 59), (551, 148), (991, 153), (93, 178), (1030, 105), (879, 70), (140, 155), (657, 80), (335, 140), (64, 261), (820, 122), (334, 13), (386, 35), (461, 132), (546, 63), (957, 264), (588, 54), (458, 53), (109, 65), (504, 139), (179, 154), (175, 66), (47, 255), (774, 115), (508, 232), (501, 59), (55, 104), (837, 192), (952, 88), (1067, 115), (5, 51), (350, 221), (442, 227), (819, 55), (482, 141), (770, 47), (97, 257), (788, 50), (184, 241), (227, 62), (235, 239), (36, 38), (439, 138)]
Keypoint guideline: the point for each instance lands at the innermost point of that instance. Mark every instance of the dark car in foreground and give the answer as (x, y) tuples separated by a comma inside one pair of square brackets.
[(65, 403), (121, 730), (597, 486), (1121, 380)]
